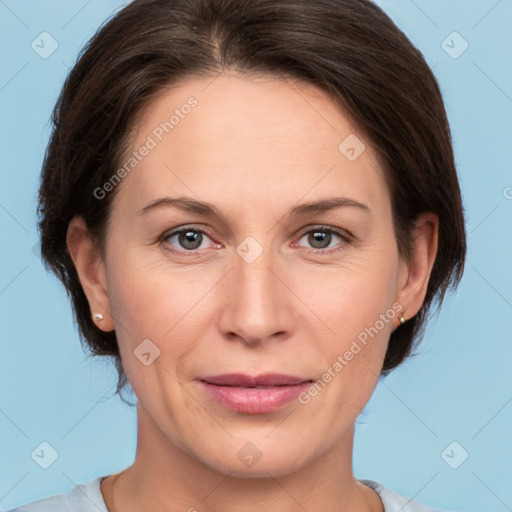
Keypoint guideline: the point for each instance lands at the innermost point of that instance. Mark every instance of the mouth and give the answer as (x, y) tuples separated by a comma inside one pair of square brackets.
[(253, 394)]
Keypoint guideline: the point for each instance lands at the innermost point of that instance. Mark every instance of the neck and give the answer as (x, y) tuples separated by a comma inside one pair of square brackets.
[(166, 477)]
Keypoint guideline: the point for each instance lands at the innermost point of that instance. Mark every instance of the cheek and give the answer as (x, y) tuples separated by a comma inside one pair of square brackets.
[(151, 300), (352, 296), (355, 305), (350, 360), (149, 325)]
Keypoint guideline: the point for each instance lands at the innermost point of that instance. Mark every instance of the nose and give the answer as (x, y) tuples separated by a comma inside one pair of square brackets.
[(258, 305)]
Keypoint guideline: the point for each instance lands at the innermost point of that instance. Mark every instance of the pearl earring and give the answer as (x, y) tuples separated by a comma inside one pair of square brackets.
[(402, 319), (97, 316)]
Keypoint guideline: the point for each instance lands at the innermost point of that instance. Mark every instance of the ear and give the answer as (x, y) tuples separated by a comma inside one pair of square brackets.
[(91, 271), (414, 275)]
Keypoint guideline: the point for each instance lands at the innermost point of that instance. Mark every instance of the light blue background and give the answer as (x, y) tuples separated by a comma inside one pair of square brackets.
[(457, 389)]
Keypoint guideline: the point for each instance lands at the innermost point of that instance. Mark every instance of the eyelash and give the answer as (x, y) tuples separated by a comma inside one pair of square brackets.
[(345, 237)]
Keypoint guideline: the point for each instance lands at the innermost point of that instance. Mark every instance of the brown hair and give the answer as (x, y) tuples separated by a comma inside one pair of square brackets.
[(349, 48)]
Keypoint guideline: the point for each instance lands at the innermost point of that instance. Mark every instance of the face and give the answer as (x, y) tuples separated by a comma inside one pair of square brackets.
[(255, 282)]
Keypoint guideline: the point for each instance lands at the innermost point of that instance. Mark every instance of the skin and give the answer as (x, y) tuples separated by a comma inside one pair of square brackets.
[(254, 148)]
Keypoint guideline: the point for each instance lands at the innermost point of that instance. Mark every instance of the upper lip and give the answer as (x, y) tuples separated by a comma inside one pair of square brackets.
[(251, 381)]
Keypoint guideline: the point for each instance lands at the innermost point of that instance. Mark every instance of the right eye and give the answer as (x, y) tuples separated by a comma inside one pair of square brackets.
[(187, 239)]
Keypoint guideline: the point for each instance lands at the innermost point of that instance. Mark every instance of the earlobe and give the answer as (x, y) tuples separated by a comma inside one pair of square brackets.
[(91, 272), (415, 274)]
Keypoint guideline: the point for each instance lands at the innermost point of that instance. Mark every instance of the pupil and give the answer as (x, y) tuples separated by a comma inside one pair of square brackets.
[(188, 239), (319, 237)]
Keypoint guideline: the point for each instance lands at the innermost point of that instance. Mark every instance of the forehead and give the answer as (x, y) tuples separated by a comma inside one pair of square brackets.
[(250, 137)]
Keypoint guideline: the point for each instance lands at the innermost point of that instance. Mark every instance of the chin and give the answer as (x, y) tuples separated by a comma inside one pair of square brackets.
[(245, 460)]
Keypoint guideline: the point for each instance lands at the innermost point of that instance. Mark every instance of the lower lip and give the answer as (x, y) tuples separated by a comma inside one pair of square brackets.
[(254, 400)]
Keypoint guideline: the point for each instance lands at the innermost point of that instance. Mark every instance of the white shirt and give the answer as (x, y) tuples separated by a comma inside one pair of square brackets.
[(88, 498)]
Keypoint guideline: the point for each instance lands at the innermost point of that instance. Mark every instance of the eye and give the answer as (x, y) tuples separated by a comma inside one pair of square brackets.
[(321, 237), (186, 239)]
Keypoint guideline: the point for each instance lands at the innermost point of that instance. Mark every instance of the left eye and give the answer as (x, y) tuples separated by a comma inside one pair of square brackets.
[(320, 239)]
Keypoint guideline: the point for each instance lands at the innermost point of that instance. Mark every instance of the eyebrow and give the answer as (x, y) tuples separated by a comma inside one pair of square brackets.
[(206, 209)]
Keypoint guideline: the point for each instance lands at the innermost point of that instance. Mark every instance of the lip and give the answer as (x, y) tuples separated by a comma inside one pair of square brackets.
[(253, 394)]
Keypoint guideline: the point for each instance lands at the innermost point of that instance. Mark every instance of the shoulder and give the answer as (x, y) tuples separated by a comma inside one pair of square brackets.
[(82, 498), (393, 502)]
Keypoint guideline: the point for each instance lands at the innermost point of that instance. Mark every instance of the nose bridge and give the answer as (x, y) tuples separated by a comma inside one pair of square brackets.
[(254, 279), (257, 301)]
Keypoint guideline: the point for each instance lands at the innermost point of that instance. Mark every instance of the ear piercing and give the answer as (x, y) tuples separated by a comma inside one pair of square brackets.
[(402, 319)]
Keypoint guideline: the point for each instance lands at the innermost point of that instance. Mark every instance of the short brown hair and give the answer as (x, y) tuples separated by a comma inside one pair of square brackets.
[(349, 48)]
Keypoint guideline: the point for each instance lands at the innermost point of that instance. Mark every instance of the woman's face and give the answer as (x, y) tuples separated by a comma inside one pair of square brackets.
[(251, 289)]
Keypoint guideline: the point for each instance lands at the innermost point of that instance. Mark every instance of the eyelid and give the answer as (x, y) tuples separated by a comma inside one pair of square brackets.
[(191, 227), (322, 227)]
